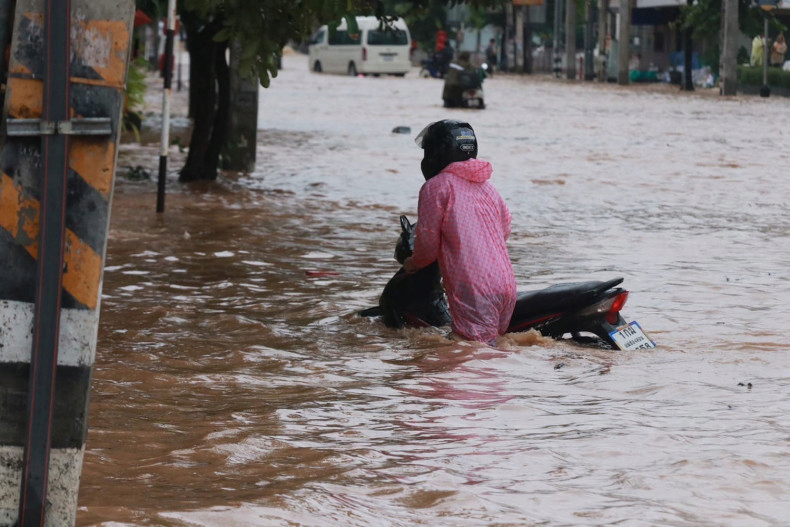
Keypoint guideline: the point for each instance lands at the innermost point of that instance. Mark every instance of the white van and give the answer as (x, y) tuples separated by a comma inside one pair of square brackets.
[(374, 50)]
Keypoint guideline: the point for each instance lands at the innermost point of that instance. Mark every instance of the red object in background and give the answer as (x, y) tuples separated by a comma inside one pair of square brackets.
[(162, 65), (141, 19), (441, 40)]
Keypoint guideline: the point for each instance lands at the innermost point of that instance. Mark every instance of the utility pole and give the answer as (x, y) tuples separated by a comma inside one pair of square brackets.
[(62, 115), (624, 44), (164, 143), (570, 39), (729, 54)]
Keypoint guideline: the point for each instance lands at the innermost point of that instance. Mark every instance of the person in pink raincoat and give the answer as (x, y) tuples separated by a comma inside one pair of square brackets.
[(464, 223)]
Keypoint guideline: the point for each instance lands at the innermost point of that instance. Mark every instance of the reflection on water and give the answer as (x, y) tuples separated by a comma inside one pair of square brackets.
[(235, 386)]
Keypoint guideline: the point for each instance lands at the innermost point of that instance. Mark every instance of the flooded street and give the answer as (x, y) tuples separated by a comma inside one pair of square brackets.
[(234, 384)]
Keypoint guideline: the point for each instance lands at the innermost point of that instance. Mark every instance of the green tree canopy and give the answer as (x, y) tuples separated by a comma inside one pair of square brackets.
[(263, 27)]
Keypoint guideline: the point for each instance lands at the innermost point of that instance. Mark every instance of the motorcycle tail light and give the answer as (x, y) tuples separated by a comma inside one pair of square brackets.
[(604, 306), (610, 307), (619, 302), (613, 315)]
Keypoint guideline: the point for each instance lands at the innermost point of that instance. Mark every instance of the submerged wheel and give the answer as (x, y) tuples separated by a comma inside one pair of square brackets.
[(352, 70), (317, 67)]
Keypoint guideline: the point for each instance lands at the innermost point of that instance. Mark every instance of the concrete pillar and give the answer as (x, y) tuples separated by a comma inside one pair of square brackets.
[(100, 43)]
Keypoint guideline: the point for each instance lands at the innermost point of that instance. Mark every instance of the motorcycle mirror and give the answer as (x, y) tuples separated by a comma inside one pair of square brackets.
[(404, 224)]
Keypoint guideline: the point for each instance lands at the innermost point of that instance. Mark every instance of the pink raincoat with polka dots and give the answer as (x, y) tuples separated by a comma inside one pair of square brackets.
[(464, 223)]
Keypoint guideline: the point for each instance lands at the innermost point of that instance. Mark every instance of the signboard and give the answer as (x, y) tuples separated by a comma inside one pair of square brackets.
[(768, 5)]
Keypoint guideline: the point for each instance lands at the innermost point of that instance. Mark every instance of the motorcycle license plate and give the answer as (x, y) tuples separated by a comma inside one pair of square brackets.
[(631, 337)]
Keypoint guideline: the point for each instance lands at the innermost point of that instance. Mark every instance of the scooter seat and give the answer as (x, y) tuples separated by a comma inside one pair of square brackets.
[(560, 298)]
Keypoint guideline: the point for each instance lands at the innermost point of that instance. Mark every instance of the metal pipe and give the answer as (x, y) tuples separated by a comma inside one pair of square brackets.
[(49, 276)]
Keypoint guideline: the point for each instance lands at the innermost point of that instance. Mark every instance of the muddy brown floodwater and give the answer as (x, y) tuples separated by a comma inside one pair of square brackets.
[(235, 386)]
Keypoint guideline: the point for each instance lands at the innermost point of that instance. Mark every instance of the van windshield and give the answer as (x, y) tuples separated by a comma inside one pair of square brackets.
[(317, 38), (387, 37)]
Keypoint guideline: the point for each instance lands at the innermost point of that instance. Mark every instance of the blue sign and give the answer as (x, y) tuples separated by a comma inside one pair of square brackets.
[(767, 4)]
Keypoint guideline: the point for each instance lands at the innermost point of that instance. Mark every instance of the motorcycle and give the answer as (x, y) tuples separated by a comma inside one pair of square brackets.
[(464, 89), (433, 67), (575, 309)]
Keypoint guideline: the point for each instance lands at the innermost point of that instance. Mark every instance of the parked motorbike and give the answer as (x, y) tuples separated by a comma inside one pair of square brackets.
[(433, 67), (576, 309)]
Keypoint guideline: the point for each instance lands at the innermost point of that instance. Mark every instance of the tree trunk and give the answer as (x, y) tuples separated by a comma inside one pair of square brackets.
[(194, 74), (219, 132), (238, 153), (209, 98), (729, 50)]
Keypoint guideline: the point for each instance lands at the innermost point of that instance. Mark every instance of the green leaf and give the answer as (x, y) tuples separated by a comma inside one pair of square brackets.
[(264, 76), (351, 22)]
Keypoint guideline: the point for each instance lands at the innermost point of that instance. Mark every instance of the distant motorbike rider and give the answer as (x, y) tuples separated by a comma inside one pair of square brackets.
[(464, 224), (442, 59), (460, 76)]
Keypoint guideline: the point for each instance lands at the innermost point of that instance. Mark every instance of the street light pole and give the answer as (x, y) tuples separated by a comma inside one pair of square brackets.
[(164, 142), (765, 91)]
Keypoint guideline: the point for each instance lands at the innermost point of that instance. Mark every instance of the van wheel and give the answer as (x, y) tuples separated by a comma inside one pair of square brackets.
[(352, 69), (317, 67)]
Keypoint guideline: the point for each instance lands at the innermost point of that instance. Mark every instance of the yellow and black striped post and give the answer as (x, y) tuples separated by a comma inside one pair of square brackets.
[(62, 113)]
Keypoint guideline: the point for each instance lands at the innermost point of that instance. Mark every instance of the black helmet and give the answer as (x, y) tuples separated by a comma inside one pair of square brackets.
[(445, 142)]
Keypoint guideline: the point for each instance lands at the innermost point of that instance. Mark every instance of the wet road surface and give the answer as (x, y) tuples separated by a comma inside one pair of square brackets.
[(235, 386)]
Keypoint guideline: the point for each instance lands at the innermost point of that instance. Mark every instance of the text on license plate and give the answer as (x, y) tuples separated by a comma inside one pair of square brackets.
[(631, 337)]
